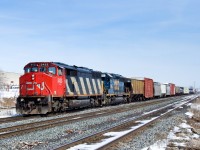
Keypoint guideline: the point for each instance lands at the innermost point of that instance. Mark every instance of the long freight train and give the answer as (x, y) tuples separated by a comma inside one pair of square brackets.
[(53, 87)]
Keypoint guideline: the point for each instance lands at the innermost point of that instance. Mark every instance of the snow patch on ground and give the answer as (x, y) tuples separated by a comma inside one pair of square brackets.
[(184, 125), (195, 106), (5, 113), (189, 114), (9, 94), (159, 145), (174, 138)]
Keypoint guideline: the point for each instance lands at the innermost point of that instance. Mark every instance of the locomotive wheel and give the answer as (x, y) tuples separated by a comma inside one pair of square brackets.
[(108, 100), (92, 102)]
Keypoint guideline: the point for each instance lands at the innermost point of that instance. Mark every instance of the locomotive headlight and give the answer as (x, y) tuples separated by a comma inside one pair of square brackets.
[(33, 76), (22, 99), (39, 99)]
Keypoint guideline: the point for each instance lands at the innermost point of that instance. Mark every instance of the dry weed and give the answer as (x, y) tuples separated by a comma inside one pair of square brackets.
[(8, 102)]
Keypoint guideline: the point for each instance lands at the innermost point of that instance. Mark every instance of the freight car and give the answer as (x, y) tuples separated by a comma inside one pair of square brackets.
[(142, 88), (168, 90), (185, 90), (163, 90), (157, 89)]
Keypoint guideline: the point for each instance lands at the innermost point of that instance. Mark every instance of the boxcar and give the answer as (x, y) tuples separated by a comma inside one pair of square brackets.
[(142, 88), (137, 89), (181, 90), (163, 90), (168, 89), (177, 90), (172, 89), (185, 90), (157, 89)]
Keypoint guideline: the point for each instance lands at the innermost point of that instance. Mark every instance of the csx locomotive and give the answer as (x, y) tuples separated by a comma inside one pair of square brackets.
[(53, 87)]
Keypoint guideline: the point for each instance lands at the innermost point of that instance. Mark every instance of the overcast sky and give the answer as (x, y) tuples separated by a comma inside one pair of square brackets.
[(159, 39)]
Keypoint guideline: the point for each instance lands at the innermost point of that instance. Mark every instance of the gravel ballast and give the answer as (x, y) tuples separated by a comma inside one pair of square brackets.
[(54, 137), (157, 132)]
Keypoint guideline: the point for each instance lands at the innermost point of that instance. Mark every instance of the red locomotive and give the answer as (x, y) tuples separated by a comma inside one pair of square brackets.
[(52, 86)]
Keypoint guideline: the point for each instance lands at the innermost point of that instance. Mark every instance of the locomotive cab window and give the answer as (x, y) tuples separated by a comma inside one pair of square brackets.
[(27, 70), (34, 69), (52, 70), (43, 69), (60, 71)]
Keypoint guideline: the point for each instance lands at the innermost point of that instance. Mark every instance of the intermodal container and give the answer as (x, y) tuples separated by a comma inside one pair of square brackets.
[(172, 89), (157, 89)]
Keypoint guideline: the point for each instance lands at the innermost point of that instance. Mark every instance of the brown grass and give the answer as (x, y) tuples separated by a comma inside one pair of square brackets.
[(8, 102), (195, 109), (194, 144)]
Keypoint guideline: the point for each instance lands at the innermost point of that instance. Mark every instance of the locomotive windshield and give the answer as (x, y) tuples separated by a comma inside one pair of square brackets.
[(34, 69), (52, 70), (42, 68)]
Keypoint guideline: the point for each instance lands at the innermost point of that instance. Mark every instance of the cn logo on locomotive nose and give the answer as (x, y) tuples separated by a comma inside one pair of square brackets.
[(31, 87)]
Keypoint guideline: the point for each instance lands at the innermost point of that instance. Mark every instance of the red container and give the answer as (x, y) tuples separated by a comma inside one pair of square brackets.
[(148, 88), (172, 89)]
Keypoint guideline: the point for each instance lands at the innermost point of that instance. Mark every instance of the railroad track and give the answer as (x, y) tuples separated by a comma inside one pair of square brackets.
[(14, 119), (41, 125), (106, 138)]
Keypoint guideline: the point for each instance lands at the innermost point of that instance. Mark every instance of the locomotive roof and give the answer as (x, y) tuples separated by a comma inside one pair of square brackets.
[(112, 75), (82, 69)]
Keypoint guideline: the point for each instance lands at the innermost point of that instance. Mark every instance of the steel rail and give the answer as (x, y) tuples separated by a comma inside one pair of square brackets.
[(41, 125), (127, 123)]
